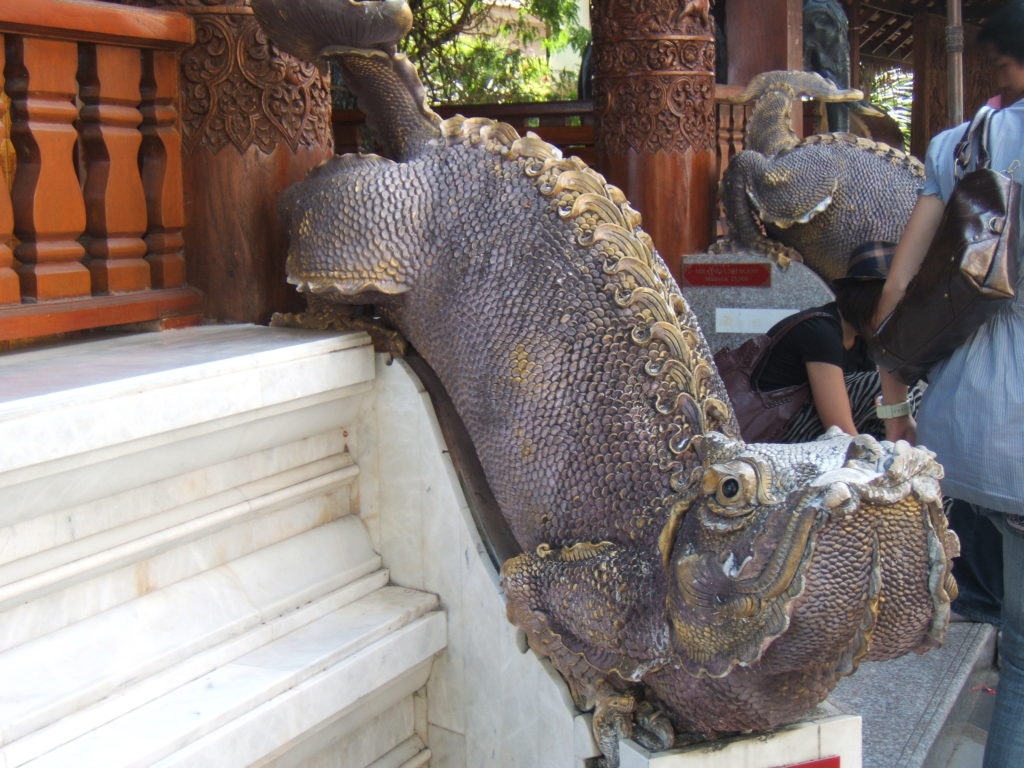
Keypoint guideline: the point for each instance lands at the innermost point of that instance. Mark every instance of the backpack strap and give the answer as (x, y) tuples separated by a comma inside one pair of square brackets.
[(789, 324), (971, 151)]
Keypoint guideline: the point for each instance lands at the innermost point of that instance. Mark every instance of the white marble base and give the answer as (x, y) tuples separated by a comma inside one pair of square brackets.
[(489, 704), (242, 389), (837, 736), (56, 587)]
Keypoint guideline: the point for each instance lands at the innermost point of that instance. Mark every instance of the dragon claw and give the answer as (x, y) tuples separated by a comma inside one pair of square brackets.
[(613, 721), (324, 316), (620, 715), (653, 730)]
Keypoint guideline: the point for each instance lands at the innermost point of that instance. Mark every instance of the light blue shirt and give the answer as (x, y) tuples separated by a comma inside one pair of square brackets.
[(972, 414)]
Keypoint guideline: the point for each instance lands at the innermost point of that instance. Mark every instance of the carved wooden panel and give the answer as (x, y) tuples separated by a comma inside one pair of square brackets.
[(109, 78), (161, 169), (10, 292), (239, 90), (654, 76), (49, 211)]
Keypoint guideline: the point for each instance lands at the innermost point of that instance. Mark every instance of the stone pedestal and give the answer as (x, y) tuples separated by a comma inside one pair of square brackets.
[(825, 742), (741, 294)]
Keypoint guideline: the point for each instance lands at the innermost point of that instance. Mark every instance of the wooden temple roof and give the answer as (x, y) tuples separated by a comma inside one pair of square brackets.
[(886, 26)]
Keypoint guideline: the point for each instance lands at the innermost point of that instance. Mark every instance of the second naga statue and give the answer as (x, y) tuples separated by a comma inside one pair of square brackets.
[(685, 584)]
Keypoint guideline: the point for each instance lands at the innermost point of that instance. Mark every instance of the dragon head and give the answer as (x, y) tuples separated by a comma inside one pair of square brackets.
[(309, 29), (786, 550), (796, 83)]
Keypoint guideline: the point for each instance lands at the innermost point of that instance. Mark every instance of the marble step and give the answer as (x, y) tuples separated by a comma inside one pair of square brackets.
[(409, 754), (56, 675), (81, 422), (191, 492), (261, 702), (41, 593), (377, 732), (912, 705)]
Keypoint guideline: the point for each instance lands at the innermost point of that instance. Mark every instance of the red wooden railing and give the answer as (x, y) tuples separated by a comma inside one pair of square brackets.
[(91, 214), (569, 125)]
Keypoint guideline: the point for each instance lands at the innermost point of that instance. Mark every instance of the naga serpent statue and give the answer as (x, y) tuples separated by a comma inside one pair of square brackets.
[(813, 199), (686, 585)]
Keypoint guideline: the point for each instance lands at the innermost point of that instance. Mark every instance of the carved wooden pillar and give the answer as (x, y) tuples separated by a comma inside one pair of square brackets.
[(254, 120), (161, 169), (654, 88), (46, 197), (10, 291), (852, 8), (764, 35), (930, 110), (115, 206)]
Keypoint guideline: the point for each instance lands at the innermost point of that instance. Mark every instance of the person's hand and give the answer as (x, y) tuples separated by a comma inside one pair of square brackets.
[(901, 428)]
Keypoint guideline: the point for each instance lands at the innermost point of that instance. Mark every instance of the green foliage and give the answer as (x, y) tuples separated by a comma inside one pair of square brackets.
[(893, 90), (464, 55)]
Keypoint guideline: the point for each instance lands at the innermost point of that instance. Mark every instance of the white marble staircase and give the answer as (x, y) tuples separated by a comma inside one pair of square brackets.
[(245, 546), (185, 577)]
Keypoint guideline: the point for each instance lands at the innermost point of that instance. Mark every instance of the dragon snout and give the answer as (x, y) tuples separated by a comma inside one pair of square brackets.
[(310, 28)]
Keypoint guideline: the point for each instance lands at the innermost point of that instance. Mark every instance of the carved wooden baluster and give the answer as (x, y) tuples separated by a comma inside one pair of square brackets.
[(114, 201), (49, 213), (161, 168), (10, 291)]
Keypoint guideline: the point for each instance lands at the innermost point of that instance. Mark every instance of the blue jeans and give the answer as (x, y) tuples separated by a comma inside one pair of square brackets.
[(979, 568), (1005, 746)]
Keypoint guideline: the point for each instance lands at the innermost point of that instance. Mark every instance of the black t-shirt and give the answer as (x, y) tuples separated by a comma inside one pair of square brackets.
[(814, 340)]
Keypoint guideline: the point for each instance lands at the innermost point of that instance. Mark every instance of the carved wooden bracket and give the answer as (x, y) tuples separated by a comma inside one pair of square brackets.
[(240, 89)]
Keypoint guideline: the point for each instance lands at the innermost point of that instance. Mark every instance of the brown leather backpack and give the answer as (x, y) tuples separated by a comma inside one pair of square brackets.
[(762, 415)]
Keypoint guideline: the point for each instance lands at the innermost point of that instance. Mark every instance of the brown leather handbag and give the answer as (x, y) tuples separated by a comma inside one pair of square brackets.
[(968, 273), (762, 416)]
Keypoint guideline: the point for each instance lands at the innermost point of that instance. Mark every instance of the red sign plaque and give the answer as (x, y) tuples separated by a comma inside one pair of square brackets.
[(825, 762), (750, 275)]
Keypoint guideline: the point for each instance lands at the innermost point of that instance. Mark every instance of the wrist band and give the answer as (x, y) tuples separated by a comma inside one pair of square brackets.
[(891, 411)]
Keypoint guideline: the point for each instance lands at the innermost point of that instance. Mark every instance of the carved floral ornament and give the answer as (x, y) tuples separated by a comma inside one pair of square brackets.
[(240, 89), (656, 94), (655, 114), (617, 19), (654, 64), (667, 55)]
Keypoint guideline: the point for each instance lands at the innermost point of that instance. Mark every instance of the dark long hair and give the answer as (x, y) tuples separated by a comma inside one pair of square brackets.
[(1004, 31), (856, 301)]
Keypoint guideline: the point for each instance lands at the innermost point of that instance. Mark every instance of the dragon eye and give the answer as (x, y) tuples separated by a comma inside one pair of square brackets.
[(729, 492), (731, 488)]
